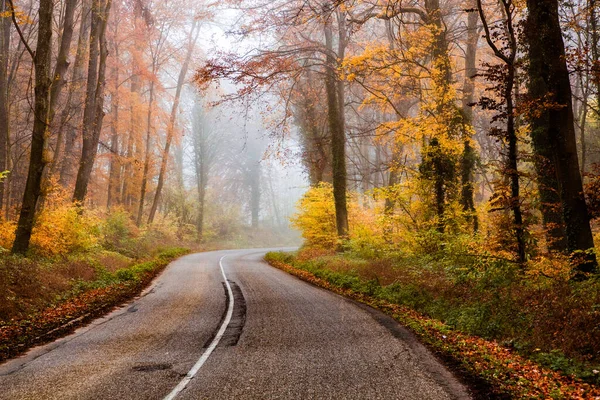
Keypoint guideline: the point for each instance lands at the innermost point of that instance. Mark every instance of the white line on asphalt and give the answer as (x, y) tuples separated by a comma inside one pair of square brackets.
[(190, 375)]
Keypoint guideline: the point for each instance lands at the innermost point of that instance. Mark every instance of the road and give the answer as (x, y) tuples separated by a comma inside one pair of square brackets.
[(279, 338)]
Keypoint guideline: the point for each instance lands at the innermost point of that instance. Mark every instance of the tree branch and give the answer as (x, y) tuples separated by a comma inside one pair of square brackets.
[(14, 19)]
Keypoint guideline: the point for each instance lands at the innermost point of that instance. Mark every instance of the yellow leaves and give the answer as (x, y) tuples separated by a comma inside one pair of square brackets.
[(20, 16), (316, 217), (62, 230), (556, 267), (7, 233)]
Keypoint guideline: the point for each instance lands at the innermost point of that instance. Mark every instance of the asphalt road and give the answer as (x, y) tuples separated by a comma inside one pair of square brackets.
[(280, 338)]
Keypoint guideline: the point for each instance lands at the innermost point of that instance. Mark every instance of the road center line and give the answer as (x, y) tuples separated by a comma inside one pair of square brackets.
[(190, 375)]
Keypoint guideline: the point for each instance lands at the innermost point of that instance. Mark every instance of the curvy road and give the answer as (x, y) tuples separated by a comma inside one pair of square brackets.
[(226, 325)]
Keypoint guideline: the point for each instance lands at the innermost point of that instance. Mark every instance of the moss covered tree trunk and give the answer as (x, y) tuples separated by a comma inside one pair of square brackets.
[(338, 137), (553, 131)]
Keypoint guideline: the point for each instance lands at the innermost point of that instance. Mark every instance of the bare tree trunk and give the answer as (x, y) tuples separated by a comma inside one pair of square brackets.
[(64, 163), (43, 82), (62, 62), (255, 194), (93, 113), (582, 117), (595, 43), (513, 171), (128, 175), (4, 118), (114, 178), (276, 211), (201, 167), (468, 155), (59, 80), (192, 38), (147, 156), (201, 205), (338, 137)]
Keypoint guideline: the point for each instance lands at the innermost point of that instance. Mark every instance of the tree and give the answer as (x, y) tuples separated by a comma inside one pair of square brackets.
[(265, 69), (43, 82), (93, 113), (504, 47), (4, 62), (335, 118), (191, 43), (468, 157), (207, 144), (552, 125)]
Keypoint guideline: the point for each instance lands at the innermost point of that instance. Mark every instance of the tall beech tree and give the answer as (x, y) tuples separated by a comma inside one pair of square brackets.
[(65, 157), (504, 47), (468, 157), (191, 44), (289, 63), (552, 126), (4, 62), (335, 117), (93, 113), (43, 82)]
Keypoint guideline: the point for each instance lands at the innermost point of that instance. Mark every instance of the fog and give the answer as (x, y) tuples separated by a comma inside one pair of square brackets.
[(239, 157)]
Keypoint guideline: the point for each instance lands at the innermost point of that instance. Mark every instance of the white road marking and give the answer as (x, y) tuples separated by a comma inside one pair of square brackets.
[(190, 375)]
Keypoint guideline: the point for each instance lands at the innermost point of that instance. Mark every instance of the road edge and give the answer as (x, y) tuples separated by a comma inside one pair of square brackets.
[(21, 341)]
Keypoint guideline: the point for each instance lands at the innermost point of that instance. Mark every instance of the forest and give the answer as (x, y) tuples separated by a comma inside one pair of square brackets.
[(442, 156)]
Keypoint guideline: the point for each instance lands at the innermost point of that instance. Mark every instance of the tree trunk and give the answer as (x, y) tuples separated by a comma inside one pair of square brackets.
[(43, 82), (338, 137), (441, 77), (513, 170), (255, 175), (64, 163), (93, 112), (582, 117), (467, 167), (128, 174), (59, 80), (4, 119), (62, 62), (114, 176), (201, 204), (171, 127), (468, 155), (147, 156), (595, 43), (552, 129)]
